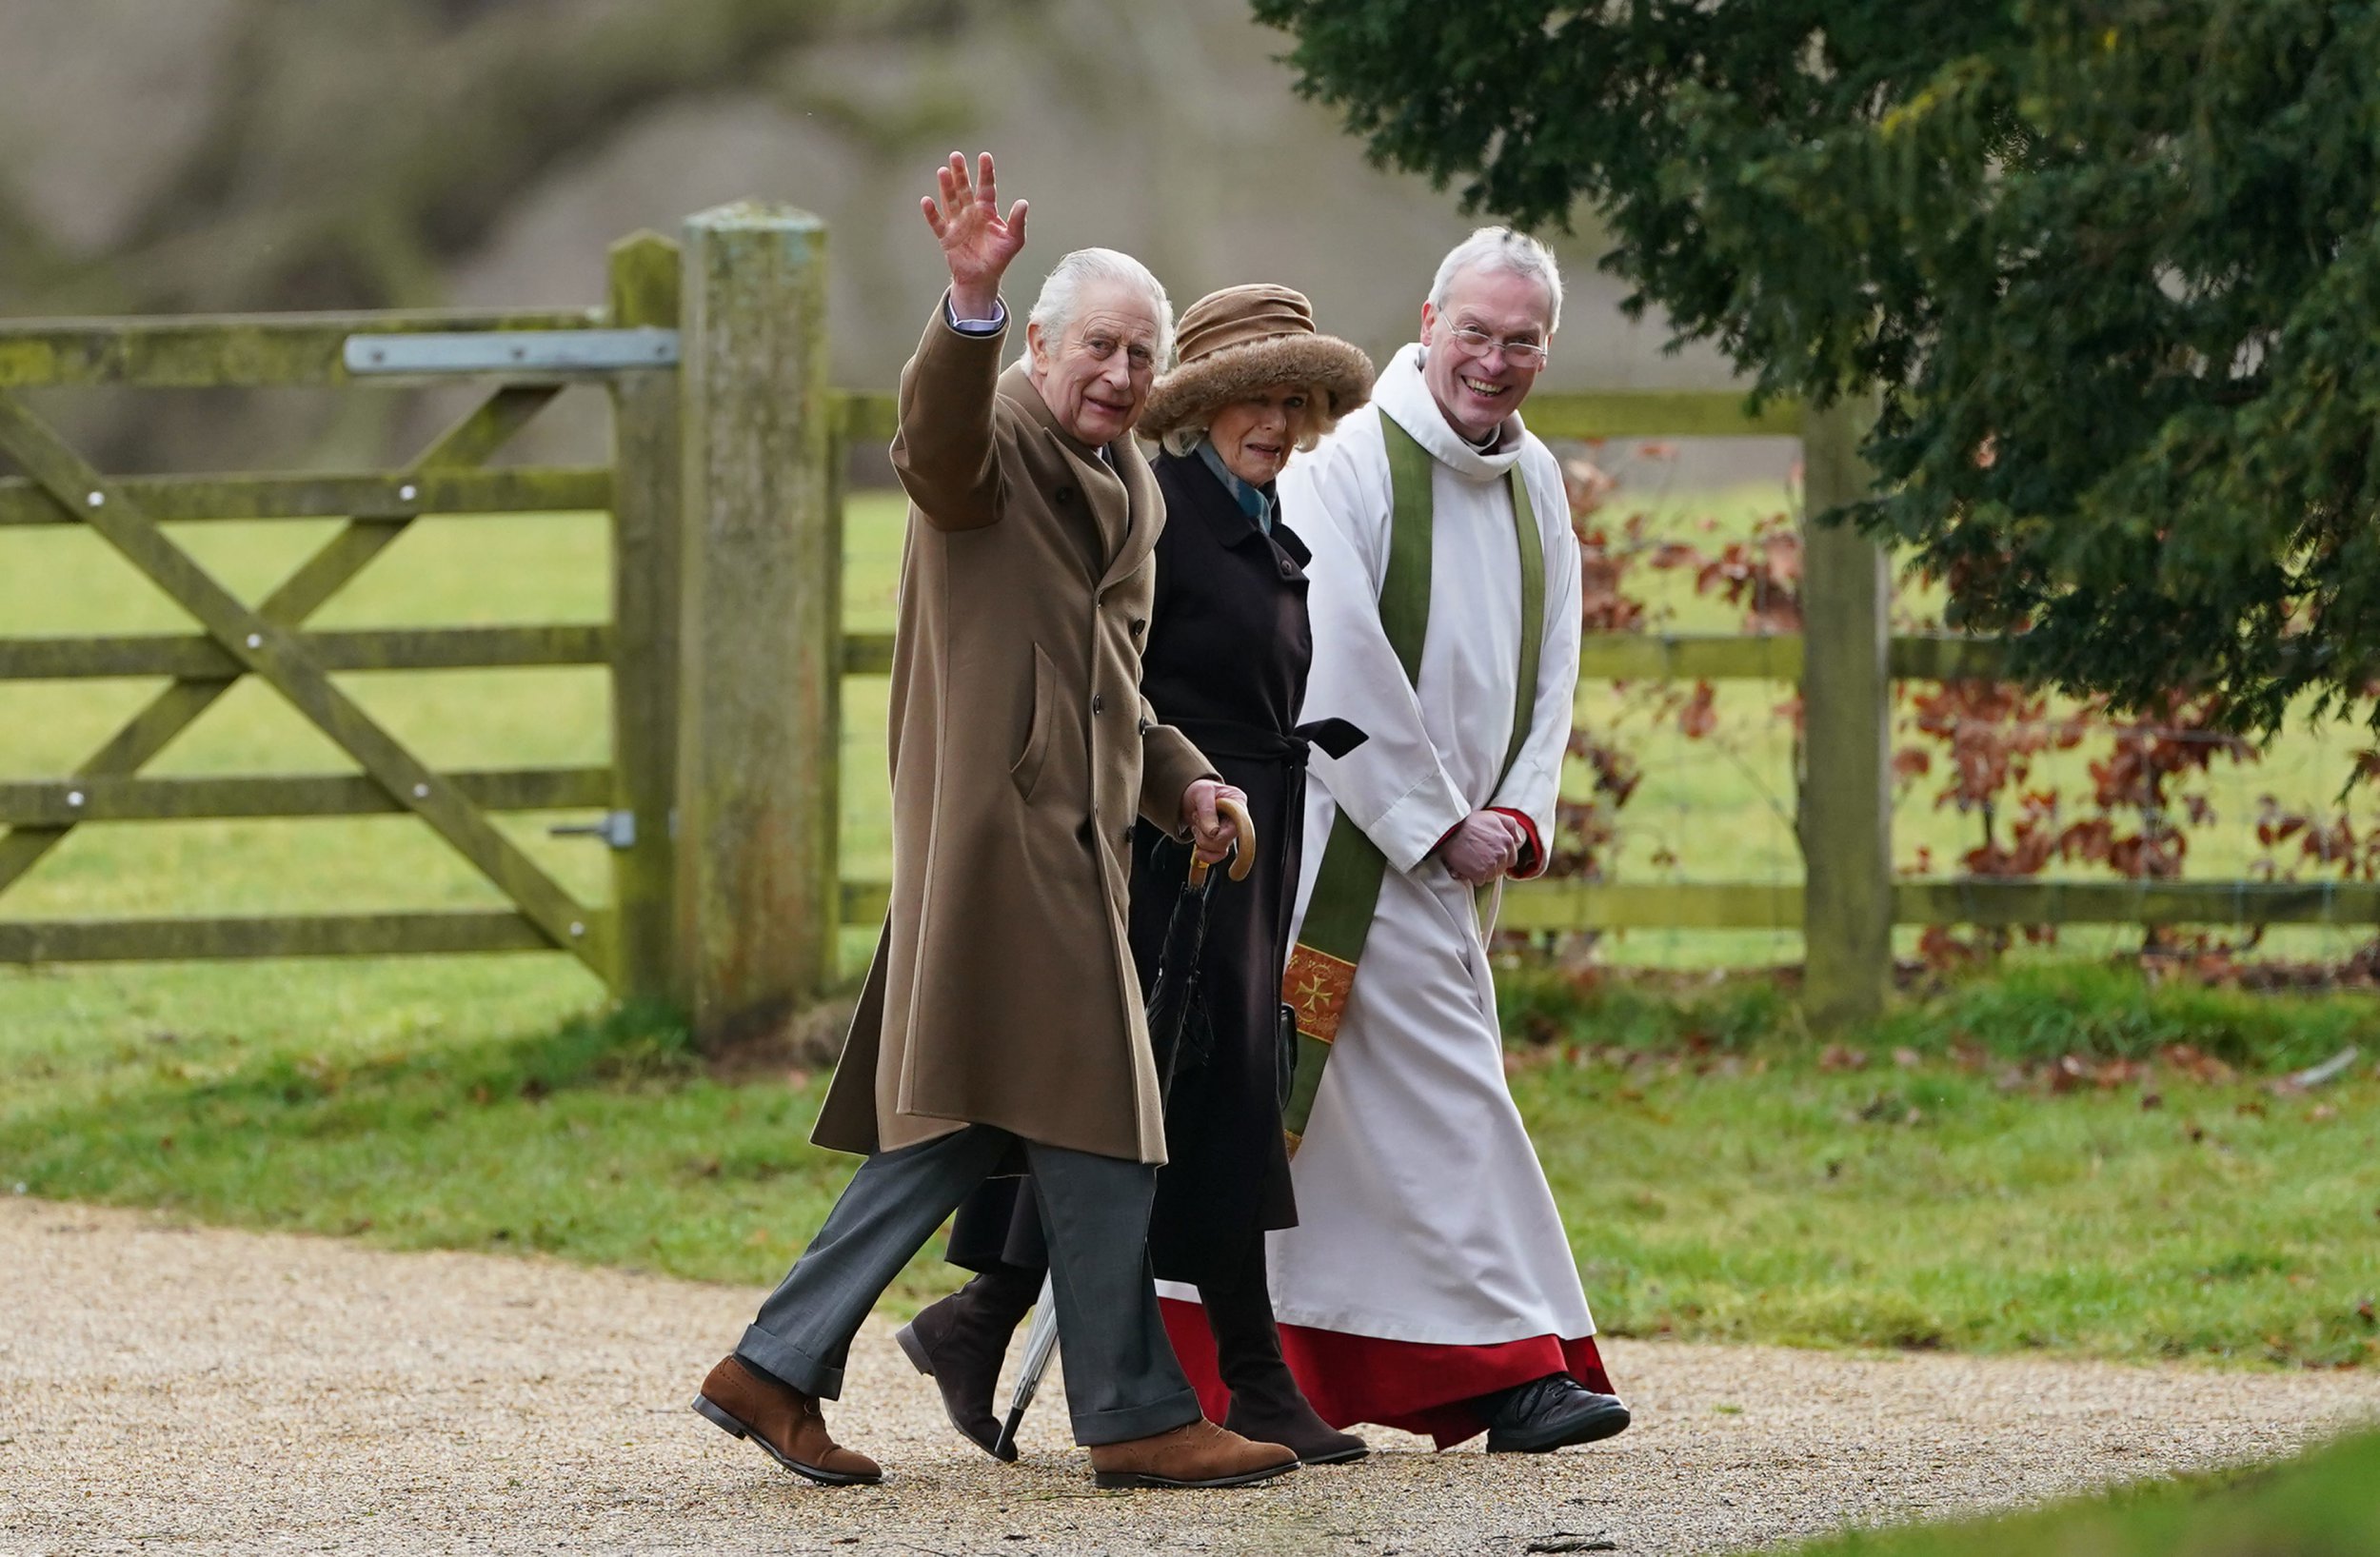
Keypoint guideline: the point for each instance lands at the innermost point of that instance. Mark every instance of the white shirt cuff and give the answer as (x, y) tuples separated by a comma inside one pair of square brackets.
[(976, 327)]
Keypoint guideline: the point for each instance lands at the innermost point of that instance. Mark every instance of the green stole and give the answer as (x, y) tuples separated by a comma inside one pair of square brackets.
[(1321, 968)]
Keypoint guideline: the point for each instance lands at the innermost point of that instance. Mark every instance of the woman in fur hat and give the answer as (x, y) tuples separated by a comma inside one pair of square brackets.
[(1225, 664)]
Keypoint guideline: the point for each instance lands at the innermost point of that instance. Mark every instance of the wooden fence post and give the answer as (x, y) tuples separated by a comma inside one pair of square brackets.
[(645, 593), (759, 713), (1846, 802)]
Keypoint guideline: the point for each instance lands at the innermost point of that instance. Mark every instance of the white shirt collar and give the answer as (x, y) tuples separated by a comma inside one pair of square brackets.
[(1405, 397)]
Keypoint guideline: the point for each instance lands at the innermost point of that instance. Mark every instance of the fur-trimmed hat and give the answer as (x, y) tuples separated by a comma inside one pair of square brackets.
[(1242, 340)]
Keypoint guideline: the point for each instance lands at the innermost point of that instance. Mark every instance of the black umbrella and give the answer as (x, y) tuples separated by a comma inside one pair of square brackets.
[(1179, 1039)]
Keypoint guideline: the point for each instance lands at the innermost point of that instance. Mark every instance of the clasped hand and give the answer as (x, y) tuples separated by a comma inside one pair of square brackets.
[(1482, 846)]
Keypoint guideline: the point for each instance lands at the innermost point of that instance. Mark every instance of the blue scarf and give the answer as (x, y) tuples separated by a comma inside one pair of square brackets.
[(1252, 500)]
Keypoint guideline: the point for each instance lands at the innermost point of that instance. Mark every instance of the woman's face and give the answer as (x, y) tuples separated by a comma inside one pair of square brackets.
[(1255, 436)]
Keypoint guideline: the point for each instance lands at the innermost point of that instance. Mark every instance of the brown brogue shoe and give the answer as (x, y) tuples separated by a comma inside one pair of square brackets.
[(782, 1420), (1197, 1454)]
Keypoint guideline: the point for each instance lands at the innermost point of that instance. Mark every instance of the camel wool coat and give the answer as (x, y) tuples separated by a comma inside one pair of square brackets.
[(1002, 990)]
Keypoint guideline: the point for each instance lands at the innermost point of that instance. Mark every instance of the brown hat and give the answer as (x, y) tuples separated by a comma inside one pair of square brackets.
[(1242, 340)]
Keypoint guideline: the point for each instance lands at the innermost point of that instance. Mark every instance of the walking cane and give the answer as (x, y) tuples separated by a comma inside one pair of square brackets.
[(1169, 1006)]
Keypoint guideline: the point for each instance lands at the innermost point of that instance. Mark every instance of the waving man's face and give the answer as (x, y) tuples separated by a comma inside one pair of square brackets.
[(1095, 374)]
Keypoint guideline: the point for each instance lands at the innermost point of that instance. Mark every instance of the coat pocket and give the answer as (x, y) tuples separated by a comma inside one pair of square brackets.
[(1025, 771)]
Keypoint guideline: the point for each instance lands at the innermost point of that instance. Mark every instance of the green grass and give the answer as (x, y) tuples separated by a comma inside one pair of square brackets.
[(434, 1104), (1924, 1207), (2320, 1505), (2023, 1011), (1938, 1182), (1719, 1179)]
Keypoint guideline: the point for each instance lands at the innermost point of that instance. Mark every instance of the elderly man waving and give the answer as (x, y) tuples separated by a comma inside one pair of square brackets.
[(1429, 1284), (1002, 1024)]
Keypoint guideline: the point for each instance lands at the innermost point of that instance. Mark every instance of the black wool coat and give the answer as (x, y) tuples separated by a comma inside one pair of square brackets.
[(1229, 647)]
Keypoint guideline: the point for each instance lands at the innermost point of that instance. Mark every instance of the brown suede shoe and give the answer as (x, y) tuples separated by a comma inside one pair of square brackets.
[(1197, 1454), (782, 1420)]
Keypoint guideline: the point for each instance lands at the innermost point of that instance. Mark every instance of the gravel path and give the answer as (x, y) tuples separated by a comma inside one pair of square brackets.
[(166, 1388)]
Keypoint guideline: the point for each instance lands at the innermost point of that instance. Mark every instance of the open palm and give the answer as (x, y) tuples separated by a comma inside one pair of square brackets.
[(977, 241)]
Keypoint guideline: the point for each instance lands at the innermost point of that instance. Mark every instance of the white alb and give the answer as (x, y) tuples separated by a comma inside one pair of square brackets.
[(1423, 1212)]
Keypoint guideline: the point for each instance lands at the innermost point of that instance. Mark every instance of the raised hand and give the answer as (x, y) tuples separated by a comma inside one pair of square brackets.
[(977, 241)]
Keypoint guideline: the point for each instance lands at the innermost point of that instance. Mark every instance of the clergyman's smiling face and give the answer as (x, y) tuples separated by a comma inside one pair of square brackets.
[(1475, 386)]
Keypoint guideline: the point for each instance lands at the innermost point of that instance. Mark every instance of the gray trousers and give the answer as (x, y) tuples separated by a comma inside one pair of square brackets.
[(1122, 1379)]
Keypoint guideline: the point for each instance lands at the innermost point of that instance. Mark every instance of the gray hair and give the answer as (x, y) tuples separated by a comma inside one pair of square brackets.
[(1501, 248), (1055, 308)]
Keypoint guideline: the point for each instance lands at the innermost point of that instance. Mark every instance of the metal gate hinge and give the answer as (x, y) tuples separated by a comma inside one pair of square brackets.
[(618, 828)]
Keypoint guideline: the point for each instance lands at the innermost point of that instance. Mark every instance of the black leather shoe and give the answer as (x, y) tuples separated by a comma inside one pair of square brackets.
[(1549, 1413)]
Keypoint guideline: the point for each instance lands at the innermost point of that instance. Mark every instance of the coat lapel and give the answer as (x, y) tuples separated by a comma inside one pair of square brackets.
[(1122, 501), (1145, 514), (1196, 490), (1110, 500)]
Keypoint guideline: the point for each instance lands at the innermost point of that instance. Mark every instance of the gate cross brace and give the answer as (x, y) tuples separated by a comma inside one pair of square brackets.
[(468, 443), (276, 655)]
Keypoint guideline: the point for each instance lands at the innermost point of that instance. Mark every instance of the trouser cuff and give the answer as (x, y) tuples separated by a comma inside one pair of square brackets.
[(783, 1360), (1125, 1423)]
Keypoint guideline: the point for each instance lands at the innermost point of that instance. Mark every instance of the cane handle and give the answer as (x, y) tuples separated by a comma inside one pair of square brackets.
[(1242, 856)]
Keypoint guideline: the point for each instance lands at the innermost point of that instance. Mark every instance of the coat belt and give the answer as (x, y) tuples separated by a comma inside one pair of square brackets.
[(1255, 743)]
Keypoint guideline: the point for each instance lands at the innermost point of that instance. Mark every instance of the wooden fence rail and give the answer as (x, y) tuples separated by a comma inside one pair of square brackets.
[(1770, 905), (252, 351), (377, 648), (448, 493), (727, 654)]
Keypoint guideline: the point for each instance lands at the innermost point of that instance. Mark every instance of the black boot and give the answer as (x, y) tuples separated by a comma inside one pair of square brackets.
[(1266, 1403), (959, 1342)]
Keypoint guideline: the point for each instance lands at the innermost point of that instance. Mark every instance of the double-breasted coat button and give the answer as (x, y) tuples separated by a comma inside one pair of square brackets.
[(1099, 703), (1142, 725), (1138, 625), (1127, 835)]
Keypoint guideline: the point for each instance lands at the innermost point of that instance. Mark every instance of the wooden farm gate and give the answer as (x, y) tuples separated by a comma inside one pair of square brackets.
[(723, 645)]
